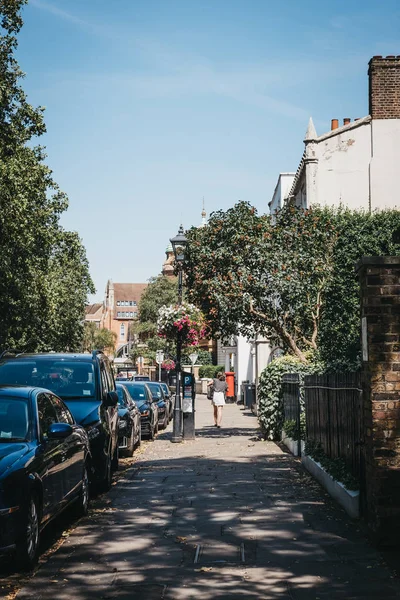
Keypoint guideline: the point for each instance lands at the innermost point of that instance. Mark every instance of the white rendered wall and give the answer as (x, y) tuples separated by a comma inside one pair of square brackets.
[(385, 163), (244, 367), (343, 168)]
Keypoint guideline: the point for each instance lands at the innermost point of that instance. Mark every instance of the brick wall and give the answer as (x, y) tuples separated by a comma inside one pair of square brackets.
[(384, 87), (380, 298)]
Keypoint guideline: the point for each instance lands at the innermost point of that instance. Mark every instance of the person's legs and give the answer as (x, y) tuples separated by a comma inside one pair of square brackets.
[(215, 414), (219, 415)]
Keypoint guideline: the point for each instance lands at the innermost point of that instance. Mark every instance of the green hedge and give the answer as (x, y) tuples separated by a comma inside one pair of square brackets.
[(210, 370), (270, 393)]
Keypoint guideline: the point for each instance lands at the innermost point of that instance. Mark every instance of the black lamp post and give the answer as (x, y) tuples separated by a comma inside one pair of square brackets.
[(179, 243)]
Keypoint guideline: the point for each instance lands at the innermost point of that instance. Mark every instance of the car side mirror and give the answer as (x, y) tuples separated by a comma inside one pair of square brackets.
[(59, 431), (111, 399)]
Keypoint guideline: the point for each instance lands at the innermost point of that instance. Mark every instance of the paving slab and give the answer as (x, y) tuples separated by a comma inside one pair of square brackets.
[(227, 516)]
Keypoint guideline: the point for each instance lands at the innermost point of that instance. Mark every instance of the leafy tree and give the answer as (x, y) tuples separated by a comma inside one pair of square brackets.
[(249, 274), (33, 244), (105, 340), (89, 336), (160, 291)]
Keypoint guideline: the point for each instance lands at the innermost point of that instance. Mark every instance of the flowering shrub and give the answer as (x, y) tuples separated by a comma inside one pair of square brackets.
[(186, 319), (168, 364)]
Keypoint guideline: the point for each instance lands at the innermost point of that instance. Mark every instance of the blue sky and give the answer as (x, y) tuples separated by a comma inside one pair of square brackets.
[(153, 104)]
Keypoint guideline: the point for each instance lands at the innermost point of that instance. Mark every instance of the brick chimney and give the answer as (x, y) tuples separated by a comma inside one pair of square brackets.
[(384, 87)]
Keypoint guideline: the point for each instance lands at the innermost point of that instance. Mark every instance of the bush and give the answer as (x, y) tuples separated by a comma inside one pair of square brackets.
[(210, 371), (270, 394), (291, 431), (203, 358)]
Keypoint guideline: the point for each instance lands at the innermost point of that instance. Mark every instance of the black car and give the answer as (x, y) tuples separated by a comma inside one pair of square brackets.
[(162, 403), (86, 384), (44, 466), (130, 429), (168, 395), (140, 393)]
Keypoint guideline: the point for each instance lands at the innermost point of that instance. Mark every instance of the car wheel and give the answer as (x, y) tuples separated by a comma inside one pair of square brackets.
[(106, 483), (28, 547), (114, 462), (82, 503), (131, 444), (139, 438)]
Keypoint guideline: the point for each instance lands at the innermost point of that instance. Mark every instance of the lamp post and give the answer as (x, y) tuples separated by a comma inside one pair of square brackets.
[(179, 243)]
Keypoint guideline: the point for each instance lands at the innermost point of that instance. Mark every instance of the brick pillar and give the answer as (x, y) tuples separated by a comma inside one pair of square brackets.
[(380, 312), (384, 87)]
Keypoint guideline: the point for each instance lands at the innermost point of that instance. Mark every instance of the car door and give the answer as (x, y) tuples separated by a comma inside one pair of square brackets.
[(73, 447), (53, 458), (113, 411)]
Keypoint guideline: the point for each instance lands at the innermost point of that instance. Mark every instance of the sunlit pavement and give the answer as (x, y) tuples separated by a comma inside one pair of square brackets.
[(228, 516)]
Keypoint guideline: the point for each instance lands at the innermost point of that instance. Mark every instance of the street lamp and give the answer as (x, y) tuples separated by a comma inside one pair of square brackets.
[(179, 243)]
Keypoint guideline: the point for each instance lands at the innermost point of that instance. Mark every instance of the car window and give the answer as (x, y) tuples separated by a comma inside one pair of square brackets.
[(121, 396), (110, 377), (62, 412), (14, 420), (47, 414), (66, 378), (105, 383)]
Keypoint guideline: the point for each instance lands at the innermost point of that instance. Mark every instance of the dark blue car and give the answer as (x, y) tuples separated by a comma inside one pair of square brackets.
[(141, 395), (44, 466), (162, 403)]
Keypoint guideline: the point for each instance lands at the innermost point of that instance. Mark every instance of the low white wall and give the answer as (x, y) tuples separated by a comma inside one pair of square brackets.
[(291, 445), (348, 499)]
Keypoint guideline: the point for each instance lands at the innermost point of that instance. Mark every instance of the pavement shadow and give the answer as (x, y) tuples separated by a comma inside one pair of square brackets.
[(237, 527)]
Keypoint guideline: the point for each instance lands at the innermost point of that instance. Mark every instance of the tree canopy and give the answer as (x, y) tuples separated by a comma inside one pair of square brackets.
[(44, 276), (251, 273)]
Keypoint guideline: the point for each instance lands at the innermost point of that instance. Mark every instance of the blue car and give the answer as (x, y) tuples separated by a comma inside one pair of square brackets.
[(141, 395), (130, 429), (44, 467), (162, 403)]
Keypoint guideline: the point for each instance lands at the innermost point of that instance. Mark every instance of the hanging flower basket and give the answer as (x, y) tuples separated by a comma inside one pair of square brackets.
[(168, 364), (185, 319)]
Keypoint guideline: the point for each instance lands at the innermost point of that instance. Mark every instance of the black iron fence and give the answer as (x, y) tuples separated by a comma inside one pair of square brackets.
[(333, 408), (291, 396)]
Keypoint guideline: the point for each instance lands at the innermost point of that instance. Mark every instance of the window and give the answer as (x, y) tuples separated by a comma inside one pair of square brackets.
[(130, 303), (134, 303), (135, 314), (126, 303), (118, 314), (118, 303), (122, 331), (62, 412), (47, 414), (131, 314)]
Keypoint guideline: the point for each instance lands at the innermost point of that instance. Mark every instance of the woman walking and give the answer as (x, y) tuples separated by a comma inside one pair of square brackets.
[(219, 387)]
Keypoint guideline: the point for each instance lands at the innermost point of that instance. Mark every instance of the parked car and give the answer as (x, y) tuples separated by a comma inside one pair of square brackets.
[(141, 394), (141, 378), (44, 467), (162, 403), (86, 384), (130, 430), (170, 396)]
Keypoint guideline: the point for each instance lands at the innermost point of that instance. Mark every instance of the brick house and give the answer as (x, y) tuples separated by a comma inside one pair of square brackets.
[(356, 164), (120, 308)]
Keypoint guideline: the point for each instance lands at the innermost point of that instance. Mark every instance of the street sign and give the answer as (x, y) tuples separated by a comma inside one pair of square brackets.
[(159, 357)]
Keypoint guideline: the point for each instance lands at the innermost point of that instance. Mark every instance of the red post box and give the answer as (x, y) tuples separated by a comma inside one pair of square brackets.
[(230, 380)]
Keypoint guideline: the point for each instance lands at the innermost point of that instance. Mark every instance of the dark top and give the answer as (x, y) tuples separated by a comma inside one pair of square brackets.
[(220, 386)]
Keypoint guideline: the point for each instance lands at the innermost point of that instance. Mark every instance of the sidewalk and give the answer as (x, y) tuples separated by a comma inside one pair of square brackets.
[(228, 516)]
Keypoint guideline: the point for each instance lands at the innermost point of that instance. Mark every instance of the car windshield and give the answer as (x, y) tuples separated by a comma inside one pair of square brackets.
[(66, 378), (155, 391), (164, 388), (14, 421), (142, 378), (137, 392), (121, 399)]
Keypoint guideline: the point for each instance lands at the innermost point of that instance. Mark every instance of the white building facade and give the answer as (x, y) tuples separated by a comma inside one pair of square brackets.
[(356, 164)]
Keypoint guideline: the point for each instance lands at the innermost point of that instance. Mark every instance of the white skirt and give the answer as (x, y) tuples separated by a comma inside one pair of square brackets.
[(219, 398)]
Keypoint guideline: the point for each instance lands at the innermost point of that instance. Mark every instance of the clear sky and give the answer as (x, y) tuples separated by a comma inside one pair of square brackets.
[(153, 104)]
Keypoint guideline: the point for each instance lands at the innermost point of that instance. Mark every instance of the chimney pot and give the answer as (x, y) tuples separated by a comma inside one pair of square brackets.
[(334, 124), (346, 121)]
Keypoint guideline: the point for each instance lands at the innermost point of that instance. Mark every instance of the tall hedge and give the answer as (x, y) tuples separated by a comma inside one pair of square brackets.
[(270, 392), (358, 234)]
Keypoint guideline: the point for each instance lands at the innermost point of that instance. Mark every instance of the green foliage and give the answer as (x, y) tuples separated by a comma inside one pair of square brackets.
[(98, 339), (161, 291), (44, 277), (359, 234), (251, 274), (291, 430), (270, 392), (335, 467), (204, 357), (210, 371)]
